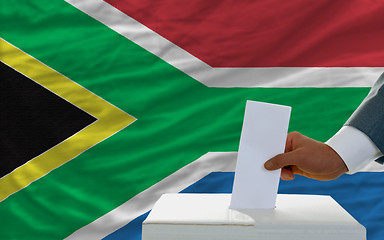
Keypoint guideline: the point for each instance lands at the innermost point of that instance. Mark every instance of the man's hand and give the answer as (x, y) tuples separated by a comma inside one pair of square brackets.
[(307, 157)]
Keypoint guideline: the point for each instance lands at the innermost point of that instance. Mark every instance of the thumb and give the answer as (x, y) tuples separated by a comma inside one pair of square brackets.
[(281, 160)]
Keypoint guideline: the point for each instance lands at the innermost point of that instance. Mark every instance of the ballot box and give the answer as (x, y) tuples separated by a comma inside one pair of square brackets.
[(208, 217)]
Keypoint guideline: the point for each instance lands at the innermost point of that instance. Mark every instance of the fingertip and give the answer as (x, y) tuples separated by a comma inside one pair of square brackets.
[(274, 163), (268, 165), (287, 175)]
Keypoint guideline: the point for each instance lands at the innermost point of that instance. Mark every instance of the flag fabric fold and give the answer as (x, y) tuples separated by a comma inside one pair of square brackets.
[(163, 87)]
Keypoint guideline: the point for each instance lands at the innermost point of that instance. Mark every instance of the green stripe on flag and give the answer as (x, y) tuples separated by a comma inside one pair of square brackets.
[(178, 118)]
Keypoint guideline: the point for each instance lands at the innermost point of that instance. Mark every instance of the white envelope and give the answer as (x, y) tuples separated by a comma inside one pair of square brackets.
[(263, 136)]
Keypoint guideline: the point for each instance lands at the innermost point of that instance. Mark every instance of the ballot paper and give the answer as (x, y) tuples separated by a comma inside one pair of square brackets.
[(263, 136)]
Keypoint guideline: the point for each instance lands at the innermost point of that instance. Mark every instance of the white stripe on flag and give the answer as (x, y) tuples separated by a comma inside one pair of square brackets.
[(225, 77), (144, 201)]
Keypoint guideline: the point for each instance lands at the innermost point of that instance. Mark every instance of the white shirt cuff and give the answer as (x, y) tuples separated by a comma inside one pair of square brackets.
[(354, 147)]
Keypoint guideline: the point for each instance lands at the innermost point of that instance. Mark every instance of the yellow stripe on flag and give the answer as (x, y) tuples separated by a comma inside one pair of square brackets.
[(110, 119)]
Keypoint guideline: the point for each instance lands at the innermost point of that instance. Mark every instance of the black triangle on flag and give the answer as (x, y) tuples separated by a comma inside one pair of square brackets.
[(33, 119)]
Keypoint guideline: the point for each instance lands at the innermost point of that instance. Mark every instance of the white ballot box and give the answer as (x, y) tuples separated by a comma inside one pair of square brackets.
[(208, 217)]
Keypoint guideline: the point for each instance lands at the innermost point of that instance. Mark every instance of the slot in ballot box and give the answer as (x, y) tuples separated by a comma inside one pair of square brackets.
[(208, 217)]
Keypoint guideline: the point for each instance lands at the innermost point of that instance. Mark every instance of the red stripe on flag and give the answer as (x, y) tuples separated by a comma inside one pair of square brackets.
[(272, 33)]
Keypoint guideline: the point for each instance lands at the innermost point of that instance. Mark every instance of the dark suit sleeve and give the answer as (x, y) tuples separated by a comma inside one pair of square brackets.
[(369, 116)]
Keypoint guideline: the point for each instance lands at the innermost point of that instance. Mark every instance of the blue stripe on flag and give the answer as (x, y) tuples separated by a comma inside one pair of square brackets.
[(360, 194)]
